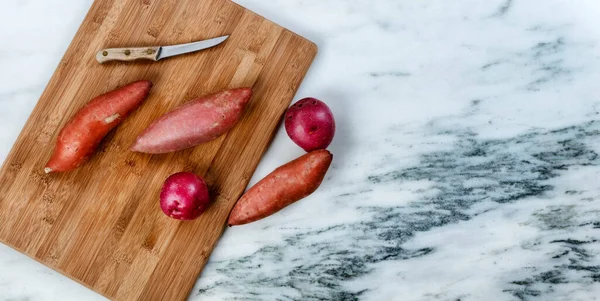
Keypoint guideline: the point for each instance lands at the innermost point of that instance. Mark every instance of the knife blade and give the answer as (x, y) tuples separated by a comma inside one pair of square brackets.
[(155, 53)]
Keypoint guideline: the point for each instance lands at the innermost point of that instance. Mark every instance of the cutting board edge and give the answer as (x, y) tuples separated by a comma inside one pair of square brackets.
[(52, 267), (30, 118), (54, 75), (313, 44)]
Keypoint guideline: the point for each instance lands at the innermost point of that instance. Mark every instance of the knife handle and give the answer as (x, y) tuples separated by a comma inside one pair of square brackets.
[(127, 54)]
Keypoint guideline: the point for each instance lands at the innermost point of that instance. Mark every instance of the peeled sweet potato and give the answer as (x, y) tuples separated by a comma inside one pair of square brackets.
[(284, 186), (193, 123), (80, 137)]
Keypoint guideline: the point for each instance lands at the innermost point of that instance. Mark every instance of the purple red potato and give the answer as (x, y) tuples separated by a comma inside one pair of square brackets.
[(310, 124), (193, 123), (184, 196)]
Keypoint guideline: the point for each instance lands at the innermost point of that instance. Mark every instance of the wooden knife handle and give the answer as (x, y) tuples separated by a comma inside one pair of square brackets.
[(127, 54)]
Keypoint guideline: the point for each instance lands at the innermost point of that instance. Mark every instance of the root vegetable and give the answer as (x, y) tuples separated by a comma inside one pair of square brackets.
[(310, 124), (80, 137), (184, 196), (284, 186), (193, 123)]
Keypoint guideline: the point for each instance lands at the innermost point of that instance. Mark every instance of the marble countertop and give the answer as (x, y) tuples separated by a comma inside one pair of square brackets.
[(466, 159)]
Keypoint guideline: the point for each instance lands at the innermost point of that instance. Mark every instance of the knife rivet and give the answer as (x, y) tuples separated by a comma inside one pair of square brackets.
[(149, 51), (104, 53), (127, 52)]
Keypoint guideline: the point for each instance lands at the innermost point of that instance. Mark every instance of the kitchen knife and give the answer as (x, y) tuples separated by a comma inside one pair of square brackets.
[(155, 53)]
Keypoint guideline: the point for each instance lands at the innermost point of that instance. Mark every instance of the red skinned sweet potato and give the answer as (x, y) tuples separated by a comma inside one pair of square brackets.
[(284, 186), (80, 137), (193, 123)]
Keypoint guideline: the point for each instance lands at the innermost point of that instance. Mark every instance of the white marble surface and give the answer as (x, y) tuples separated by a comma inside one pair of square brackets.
[(466, 160)]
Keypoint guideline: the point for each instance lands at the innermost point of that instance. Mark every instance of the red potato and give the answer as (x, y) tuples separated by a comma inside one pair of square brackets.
[(284, 186), (184, 196), (193, 123), (80, 137), (310, 124)]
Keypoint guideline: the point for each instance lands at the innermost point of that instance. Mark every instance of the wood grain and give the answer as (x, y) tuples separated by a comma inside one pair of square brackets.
[(101, 225)]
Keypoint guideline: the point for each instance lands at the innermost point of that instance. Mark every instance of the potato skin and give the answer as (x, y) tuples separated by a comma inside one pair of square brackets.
[(284, 186), (80, 137), (310, 124), (184, 196), (193, 123)]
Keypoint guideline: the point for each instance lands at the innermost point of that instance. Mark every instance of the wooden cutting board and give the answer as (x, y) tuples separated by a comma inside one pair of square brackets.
[(101, 225)]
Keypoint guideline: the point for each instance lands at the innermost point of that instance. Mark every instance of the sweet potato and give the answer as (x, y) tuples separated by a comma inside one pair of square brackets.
[(80, 137), (193, 123), (284, 186)]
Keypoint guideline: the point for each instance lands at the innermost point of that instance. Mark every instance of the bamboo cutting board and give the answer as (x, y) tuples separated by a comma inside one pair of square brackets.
[(101, 225)]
